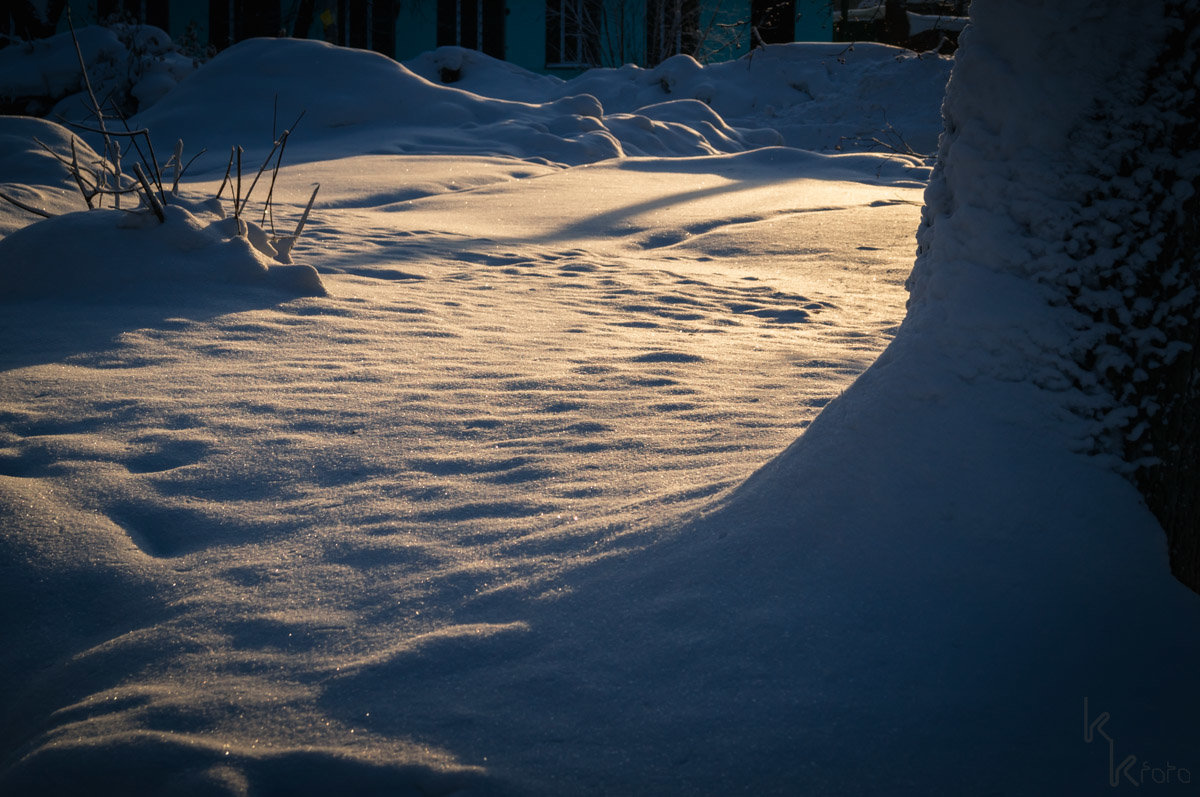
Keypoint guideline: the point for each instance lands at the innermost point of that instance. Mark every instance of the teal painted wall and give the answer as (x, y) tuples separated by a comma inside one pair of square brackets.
[(726, 27), (525, 34), (622, 31), (416, 28), (814, 21), (623, 36)]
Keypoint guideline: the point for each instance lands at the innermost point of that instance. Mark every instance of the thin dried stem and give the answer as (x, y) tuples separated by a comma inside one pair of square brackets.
[(151, 198), (274, 174), (307, 209), (141, 131), (284, 244), (23, 206), (87, 82), (237, 200), (191, 160), (263, 168), (228, 172), (280, 144), (177, 159), (75, 171)]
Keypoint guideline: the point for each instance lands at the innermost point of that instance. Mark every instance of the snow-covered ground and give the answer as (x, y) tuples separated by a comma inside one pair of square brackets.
[(505, 511)]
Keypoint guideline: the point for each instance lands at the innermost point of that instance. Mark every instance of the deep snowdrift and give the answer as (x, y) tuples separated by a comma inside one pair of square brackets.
[(818, 97), (853, 97), (365, 102), (492, 517)]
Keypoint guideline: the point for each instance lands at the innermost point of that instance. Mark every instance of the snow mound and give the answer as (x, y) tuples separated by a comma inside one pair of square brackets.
[(816, 96), (115, 251), (364, 102), (481, 74), (33, 176)]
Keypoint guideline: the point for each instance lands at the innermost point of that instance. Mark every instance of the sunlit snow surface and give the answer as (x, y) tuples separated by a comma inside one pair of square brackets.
[(495, 516)]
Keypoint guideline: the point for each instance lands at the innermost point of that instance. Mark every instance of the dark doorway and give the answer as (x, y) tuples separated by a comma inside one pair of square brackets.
[(477, 24), (773, 21)]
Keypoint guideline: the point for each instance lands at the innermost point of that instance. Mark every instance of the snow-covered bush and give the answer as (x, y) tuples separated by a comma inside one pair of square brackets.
[(168, 237), (140, 227), (132, 66), (109, 251)]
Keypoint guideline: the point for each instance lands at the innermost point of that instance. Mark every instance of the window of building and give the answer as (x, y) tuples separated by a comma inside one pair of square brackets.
[(476, 24), (573, 32), (672, 27)]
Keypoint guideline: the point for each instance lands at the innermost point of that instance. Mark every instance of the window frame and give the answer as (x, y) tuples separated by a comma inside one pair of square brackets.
[(568, 34)]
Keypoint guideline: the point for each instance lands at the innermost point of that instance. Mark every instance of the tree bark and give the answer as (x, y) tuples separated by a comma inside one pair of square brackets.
[(1145, 293), (1169, 399)]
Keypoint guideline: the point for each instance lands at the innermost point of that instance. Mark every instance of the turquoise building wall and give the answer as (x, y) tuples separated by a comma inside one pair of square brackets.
[(622, 35), (525, 35), (814, 21), (416, 29)]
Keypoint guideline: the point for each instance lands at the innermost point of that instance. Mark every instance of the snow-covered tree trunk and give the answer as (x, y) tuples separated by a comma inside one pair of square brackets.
[(1155, 320), (1071, 160)]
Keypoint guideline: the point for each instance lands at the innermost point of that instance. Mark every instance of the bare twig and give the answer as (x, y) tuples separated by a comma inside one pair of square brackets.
[(154, 164), (151, 198), (72, 168), (279, 144), (191, 160), (116, 148), (23, 206), (87, 82), (177, 159), (132, 189), (228, 172), (283, 244), (274, 174), (152, 161), (307, 209), (237, 200), (141, 131), (263, 168), (60, 158)]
